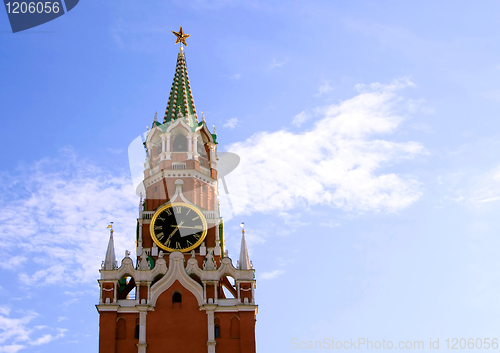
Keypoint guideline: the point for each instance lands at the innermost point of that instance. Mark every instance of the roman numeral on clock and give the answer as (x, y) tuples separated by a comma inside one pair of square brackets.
[(158, 227), (160, 236)]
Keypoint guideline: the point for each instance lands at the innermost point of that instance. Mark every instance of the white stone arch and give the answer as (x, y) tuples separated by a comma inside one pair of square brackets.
[(154, 139), (179, 126), (153, 135), (176, 272)]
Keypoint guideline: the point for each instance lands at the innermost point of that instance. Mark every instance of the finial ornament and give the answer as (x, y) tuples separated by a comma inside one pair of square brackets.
[(110, 227), (203, 115), (181, 37), (156, 116), (242, 227)]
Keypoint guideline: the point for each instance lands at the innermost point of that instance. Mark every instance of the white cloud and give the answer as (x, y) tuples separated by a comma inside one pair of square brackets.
[(13, 263), (232, 123), (324, 88), (483, 187), (63, 207), (337, 162), (235, 76), (473, 177), (15, 333), (12, 348), (272, 275), (419, 106), (277, 63), (330, 224), (301, 118)]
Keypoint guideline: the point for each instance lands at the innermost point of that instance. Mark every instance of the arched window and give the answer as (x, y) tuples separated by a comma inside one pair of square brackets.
[(121, 329), (228, 287), (136, 332), (217, 327), (126, 288), (177, 297), (180, 144), (201, 150), (235, 327), (176, 300)]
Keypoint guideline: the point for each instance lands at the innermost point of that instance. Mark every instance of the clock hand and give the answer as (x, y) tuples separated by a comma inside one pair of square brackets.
[(177, 226), (175, 230)]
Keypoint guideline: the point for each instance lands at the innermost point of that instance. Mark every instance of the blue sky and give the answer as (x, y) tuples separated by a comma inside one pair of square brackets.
[(370, 174)]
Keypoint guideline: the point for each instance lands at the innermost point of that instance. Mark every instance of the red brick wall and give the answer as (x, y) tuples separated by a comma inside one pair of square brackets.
[(182, 329), (127, 344), (107, 329)]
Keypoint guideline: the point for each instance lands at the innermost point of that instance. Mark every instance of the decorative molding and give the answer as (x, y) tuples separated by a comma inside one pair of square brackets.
[(176, 272), (177, 124)]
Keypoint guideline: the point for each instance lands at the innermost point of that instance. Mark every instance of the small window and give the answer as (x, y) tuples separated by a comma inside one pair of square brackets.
[(156, 188), (217, 331), (136, 335), (201, 150), (203, 188), (177, 298), (180, 144)]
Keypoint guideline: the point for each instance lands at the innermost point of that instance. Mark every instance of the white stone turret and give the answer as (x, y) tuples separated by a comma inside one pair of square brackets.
[(110, 260), (244, 263)]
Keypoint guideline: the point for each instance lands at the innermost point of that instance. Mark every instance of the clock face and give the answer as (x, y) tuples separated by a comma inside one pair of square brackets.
[(178, 227)]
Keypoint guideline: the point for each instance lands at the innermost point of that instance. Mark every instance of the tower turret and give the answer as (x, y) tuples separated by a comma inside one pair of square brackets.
[(244, 263), (110, 259)]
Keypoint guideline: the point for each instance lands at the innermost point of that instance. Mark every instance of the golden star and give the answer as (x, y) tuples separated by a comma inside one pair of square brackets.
[(181, 37)]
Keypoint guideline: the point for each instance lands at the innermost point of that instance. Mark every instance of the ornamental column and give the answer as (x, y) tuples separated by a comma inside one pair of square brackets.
[(211, 328), (143, 310)]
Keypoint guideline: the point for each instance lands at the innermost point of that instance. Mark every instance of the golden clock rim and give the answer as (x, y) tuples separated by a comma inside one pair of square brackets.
[(170, 205)]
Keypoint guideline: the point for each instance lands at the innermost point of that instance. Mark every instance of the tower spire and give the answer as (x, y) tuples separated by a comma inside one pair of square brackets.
[(244, 263), (110, 259), (180, 99)]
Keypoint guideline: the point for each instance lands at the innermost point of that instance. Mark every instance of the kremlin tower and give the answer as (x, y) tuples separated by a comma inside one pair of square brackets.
[(182, 293)]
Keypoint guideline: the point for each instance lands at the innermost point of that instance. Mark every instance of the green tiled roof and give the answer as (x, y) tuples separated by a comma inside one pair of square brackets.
[(181, 99)]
